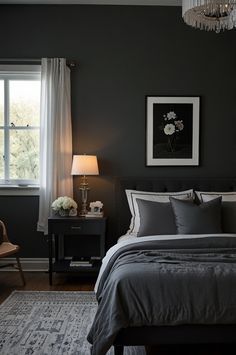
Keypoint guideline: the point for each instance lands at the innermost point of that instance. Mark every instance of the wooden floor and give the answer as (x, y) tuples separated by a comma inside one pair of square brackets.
[(38, 281)]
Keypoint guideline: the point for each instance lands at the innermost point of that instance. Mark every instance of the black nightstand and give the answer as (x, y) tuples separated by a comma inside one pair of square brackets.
[(75, 236)]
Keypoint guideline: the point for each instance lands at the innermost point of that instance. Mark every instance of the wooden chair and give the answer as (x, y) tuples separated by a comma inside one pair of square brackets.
[(8, 249)]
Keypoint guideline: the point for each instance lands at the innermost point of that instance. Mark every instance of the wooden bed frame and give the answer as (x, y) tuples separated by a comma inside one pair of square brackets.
[(182, 334)]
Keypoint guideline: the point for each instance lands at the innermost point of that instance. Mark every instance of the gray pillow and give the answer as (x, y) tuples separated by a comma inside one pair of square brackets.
[(197, 219), (155, 218), (229, 217)]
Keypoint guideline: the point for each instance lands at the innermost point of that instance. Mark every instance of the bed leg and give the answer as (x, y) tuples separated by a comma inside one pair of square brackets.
[(119, 349)]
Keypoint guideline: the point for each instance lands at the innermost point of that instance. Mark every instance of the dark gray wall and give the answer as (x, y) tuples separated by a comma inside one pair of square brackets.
[(125, 53)]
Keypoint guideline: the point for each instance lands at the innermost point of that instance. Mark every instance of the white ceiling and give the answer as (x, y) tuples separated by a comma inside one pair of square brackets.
[(96, 2)]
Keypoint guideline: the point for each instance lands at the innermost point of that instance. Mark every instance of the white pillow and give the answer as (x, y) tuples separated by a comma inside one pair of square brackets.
[(132, 195), (207, 196)]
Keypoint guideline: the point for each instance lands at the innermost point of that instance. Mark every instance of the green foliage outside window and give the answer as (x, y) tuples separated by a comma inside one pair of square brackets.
[(23, 143)]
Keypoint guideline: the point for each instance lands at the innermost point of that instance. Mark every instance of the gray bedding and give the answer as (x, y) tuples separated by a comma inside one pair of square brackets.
[(190, 281)]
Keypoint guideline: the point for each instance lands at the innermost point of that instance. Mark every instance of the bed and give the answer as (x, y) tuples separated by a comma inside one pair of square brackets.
[(169, 288)]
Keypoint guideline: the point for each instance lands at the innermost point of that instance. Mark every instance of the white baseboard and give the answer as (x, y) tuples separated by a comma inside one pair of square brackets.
[(28, 264)]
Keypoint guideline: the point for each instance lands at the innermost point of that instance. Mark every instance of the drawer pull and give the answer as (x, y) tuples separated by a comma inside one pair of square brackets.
[(78, 228)]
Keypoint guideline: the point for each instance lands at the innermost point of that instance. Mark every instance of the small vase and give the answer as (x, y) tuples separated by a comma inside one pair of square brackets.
[(63, 213), (73, 212), (170, 145)]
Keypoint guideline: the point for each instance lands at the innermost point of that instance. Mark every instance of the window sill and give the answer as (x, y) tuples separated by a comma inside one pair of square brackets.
[(16, 190)]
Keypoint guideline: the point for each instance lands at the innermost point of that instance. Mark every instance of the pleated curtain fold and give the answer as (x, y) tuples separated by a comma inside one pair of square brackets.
[(55, 137)]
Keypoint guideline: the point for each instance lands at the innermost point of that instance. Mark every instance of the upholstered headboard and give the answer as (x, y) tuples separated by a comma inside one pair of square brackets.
[(162, 185)]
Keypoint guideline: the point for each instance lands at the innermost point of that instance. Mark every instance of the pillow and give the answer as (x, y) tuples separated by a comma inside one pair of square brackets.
[(229, 217), (155, 218), (228, 208), (207, 196), (197, 219), (163, 197)]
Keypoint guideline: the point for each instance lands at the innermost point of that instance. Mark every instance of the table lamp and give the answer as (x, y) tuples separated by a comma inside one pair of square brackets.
[(84, 165)]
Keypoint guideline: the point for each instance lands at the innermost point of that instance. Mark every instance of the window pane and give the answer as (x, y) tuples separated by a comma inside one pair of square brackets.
[(24, 102), (1, 103), (1, 154), (24, 154)]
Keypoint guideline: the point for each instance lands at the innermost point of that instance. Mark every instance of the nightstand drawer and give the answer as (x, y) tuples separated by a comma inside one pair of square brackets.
[(79, 227)]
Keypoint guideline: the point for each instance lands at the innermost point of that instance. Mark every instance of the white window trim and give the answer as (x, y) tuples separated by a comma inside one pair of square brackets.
[(31, 72), (16, 190), (9, 68)]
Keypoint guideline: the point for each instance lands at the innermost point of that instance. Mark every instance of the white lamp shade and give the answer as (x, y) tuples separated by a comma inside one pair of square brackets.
[(84, 165)]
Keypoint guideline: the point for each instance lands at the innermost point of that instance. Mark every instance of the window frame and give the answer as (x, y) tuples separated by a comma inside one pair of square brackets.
[(7, 73)]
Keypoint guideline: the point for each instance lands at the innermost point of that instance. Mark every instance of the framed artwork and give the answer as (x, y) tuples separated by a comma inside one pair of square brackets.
[(172, 130)]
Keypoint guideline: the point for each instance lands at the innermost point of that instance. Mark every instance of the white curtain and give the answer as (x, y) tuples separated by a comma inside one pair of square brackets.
[(56, 137)]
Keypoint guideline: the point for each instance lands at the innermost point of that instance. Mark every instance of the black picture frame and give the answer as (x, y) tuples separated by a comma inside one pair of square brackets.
[(172, 130)]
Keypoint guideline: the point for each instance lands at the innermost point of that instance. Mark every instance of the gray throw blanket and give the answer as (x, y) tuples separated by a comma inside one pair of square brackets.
[(191, 281)]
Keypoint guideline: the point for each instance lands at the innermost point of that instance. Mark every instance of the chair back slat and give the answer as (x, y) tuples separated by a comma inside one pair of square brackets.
[(3, 232)]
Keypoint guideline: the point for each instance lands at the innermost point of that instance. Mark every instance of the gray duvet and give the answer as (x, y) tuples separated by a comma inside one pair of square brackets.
[(190, 281)]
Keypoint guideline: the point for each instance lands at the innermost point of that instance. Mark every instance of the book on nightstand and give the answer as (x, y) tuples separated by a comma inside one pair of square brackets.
[(94, 214), (78, 261), (85, 261)]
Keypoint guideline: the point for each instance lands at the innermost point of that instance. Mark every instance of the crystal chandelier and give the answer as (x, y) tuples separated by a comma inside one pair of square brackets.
[(210, 15)]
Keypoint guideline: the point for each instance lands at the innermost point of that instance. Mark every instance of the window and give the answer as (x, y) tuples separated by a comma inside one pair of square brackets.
[(19, 125)]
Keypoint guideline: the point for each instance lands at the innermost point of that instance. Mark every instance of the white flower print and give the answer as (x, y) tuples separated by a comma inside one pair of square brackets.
[(169, 129), (171, 115)]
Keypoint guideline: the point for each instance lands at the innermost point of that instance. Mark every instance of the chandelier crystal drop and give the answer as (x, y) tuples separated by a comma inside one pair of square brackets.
[(210, 15)]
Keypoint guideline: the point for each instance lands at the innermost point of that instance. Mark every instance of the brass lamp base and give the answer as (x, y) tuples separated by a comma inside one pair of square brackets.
[(84, 196)]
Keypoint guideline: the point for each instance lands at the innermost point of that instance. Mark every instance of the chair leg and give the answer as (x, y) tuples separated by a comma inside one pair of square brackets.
[(119, 349), (20, 270)]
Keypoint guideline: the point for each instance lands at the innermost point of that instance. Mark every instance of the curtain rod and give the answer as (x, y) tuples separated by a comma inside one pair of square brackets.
[(70, 63)]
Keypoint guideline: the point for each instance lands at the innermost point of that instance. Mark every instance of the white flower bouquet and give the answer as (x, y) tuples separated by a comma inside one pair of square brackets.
[(65, 206), (171, 127)]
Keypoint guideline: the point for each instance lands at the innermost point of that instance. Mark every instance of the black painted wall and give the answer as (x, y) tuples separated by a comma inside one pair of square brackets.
[(124, 53)]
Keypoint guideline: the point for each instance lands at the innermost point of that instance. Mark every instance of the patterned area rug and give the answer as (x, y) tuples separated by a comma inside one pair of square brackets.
[(49, 323)]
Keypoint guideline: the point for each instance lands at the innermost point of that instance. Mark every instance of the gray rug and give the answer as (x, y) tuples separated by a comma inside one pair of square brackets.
[(49, 323)]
